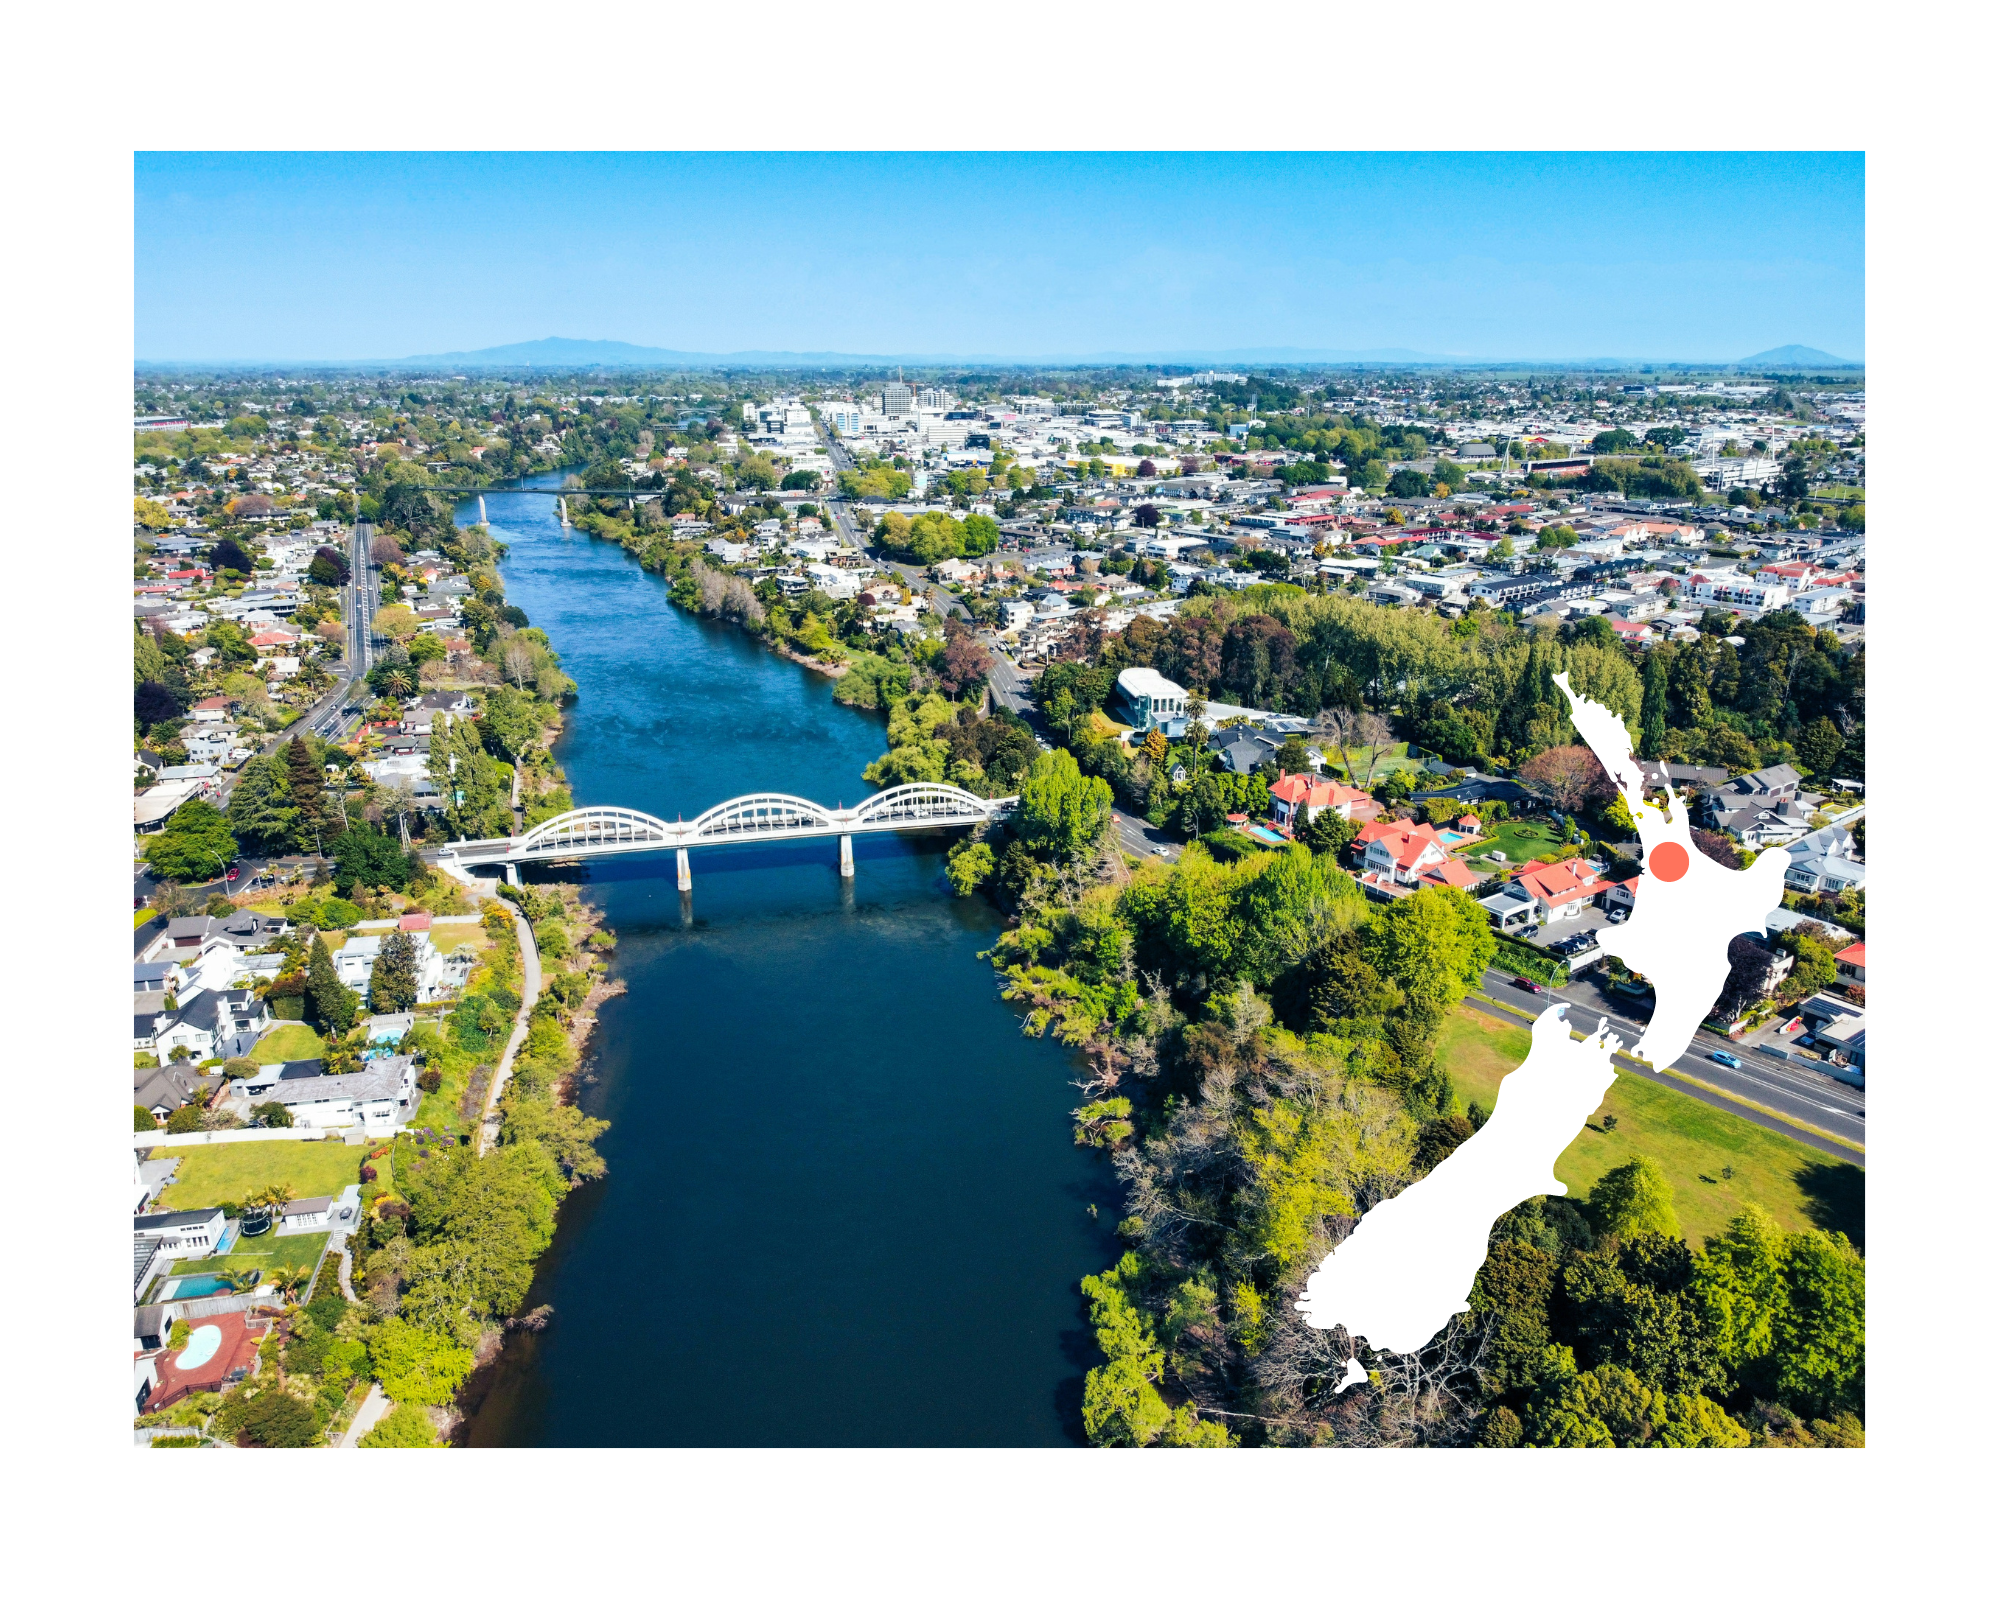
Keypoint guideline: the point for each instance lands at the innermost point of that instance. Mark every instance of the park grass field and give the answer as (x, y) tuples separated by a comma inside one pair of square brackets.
[(209, 1174), (289, 1041), (467, 936), (1692, 1142)]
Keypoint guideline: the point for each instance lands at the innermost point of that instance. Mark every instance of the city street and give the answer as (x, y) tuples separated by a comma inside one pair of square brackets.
[(1798, 1092)]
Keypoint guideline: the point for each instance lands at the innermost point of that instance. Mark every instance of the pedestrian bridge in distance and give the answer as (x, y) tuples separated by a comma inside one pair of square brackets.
[(748, 819)]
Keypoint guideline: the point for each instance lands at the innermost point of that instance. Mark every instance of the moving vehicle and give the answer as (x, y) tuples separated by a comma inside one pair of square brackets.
[(1530, 985), (1161, 850), (1726, 1059)]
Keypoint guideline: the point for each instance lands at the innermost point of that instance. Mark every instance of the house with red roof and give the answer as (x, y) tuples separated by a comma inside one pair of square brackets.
[(1397, 852), (1298, 795), (1853, 962), (1543, 892)]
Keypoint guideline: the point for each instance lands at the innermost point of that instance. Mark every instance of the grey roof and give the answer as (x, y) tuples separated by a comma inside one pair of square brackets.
[(148, 1321), (172, 1221), (309, 1208), (379, 1080), (152, 971)]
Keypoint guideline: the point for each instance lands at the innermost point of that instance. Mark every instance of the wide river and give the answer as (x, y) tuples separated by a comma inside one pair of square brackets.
[(843, 1207)]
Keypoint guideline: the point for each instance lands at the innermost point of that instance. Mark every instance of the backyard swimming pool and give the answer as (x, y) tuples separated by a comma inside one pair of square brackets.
[(196, 1287), (201, 1347)]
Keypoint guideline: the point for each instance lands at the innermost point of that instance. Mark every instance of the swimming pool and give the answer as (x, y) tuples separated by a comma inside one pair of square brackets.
[(1267, 835), (194, 1288), (201, 1347)]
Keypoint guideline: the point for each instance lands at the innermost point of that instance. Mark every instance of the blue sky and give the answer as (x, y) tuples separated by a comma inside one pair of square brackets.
[(1671, 257)]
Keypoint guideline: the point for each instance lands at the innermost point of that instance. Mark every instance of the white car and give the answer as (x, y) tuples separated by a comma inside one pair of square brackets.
[(1161, 850)]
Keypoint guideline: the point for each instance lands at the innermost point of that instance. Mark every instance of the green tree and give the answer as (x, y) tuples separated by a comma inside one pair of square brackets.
[(1819, 745), (415, 1366), (260, 810), (1653, 715), (1633, 1199), (1433, 945), (142, 1120), (1819, 1327), (392, 984), (1063, 813), (969, 865), (305, 783), (196, 844), (330, 1004), (406, 1427)]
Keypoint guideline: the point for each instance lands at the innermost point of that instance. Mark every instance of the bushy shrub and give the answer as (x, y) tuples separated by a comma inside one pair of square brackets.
[(429, 1080)]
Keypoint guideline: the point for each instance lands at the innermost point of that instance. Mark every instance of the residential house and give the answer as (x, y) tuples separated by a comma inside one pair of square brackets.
[(1853, 962), (354, 964), (1823, 862), (1393, 851), (1243, 749), (1543, 892), (379, 1096), (163, 1090), (181, 1234), (1841, 1025), (1296, 797), (211, 1023), (1148, 700)]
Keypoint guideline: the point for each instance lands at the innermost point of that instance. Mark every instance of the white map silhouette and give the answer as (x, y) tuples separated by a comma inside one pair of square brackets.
[(1408, 1267)]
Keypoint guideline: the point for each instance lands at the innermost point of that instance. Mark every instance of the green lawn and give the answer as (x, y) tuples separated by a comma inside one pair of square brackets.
[(263, 1254), (212, 1173), (1518, 841), (1690, 1140), (143, 916), (289, 1041), (467, 936)]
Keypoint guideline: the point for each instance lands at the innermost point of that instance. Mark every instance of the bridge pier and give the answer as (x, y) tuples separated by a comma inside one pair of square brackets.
[(847, 855), (514, 874), (686, 876)]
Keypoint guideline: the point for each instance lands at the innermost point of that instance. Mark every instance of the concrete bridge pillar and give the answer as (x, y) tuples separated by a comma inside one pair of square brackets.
[(681, 865), (847, 855), (482, 508), (514, 874)]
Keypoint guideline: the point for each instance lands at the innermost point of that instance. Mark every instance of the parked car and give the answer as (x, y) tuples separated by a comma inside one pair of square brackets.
[(1616, 916), (1530, 985), (1726, 1059)]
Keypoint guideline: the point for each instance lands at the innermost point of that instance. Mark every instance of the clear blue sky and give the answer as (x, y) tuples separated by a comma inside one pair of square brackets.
[(1673, 257)]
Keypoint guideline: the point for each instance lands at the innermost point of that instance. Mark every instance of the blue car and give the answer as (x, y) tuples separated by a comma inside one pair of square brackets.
[(1726, 1059)]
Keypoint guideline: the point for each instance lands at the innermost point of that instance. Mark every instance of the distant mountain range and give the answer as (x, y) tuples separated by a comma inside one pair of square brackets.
[(1796, 355), (555, 354)]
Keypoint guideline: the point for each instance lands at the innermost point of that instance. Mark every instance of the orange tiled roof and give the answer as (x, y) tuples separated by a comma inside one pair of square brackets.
[(1558, 882)]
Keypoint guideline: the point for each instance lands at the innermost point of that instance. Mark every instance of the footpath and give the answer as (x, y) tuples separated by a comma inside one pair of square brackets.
[(531, 991)]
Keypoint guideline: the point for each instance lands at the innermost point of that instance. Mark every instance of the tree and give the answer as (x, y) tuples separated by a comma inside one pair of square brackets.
[(1408, 484), (395, 621), (1568, 777), (1818, 745), (230, 556), (278, 1420), (406, 1427), (1634, 1199), (969, 865), (195, 845), (965, 661), (142, 1120), (305, 782), (330, 567), (330, 1004), (185, 1119), (384, 551), (415, 1366), (260, 810), (274, 1115), (154, 702), (392, 986), (1653, 711), (1433, 945), (1063, 813)]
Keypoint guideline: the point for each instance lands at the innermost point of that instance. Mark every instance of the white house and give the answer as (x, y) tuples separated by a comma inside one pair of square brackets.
[(377, 1096), (354, 965), (183, 1233), (1152, 701), (211, 1023)]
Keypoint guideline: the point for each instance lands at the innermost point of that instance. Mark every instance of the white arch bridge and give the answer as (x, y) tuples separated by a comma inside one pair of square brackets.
[(748, 819)]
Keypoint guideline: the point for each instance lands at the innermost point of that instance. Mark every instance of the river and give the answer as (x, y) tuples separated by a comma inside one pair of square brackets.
[(843, 1206)]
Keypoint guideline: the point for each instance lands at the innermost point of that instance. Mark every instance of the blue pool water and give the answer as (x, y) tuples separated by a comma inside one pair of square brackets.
[(196, 1288), (1268, 836)]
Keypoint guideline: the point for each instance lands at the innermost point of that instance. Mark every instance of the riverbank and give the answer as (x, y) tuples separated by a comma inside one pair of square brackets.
[(823, 1120)]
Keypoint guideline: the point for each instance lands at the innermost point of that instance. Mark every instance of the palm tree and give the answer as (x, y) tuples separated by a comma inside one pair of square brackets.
[(288, 1279)]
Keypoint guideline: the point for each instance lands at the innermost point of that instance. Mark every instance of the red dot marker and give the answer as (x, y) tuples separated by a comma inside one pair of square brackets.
[(1668, 862)]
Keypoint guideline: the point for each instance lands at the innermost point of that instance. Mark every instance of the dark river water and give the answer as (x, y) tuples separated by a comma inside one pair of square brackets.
[(843, 1205)]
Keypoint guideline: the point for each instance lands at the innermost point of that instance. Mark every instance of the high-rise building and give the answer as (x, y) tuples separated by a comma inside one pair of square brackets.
[(934, 400), (896, 399)]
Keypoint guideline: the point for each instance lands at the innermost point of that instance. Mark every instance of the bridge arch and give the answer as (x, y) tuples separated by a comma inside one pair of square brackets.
[(919, 802), (595, 825), (761, 816)]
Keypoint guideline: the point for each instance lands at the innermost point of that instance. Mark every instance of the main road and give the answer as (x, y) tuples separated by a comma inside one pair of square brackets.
[(1775, 1092)]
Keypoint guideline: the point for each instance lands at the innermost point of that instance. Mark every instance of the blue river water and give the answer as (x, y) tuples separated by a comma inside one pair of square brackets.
[(843, 1206)]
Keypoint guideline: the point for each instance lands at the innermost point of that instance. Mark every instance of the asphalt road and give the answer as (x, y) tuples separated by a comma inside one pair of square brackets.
[(1799, 1092), (851, 535)]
